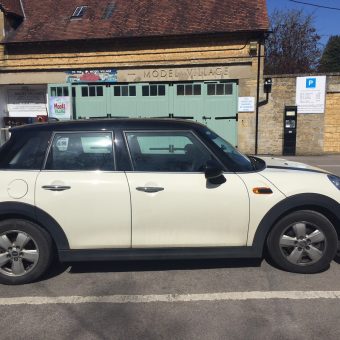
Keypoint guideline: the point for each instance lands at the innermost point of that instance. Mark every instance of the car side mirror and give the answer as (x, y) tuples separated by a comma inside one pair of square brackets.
[(214, 173)]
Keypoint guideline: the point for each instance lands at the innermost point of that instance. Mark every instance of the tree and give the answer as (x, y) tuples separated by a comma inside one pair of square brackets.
[(330, 60), (293, 45)]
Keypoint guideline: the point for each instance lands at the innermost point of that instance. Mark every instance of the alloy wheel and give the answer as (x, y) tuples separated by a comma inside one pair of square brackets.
[(19, 253), (303, 243)]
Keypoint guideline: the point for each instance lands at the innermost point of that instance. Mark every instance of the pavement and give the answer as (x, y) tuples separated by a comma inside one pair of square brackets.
[(224, 299)]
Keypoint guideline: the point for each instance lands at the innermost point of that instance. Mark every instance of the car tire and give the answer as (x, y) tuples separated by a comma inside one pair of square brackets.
[(303, 242), (26, 251)]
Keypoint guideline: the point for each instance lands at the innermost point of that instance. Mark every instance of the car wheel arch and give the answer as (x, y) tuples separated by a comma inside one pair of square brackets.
[(9, 210), (315, 202)]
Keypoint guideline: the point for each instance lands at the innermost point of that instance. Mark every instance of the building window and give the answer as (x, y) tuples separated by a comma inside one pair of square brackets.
[(223, 89), (124, 91), (153, 90), (189, 90)]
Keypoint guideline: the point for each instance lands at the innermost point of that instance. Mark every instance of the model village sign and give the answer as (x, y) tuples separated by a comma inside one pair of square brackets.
[(160, 74)]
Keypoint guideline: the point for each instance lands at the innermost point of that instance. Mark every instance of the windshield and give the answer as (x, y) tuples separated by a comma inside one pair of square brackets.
[(244, 163)]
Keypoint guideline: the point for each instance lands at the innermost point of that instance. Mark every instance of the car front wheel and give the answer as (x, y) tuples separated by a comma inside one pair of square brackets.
[(303, 242), (25, 251)]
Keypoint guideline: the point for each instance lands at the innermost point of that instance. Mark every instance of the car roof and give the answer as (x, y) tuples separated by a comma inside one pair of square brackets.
[(98, 124)]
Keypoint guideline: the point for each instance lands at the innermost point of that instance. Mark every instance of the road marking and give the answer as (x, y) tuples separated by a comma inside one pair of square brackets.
[(328, 165), (122, 299)]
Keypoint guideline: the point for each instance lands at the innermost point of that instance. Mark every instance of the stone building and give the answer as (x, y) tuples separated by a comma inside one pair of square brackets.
[(75, 59)]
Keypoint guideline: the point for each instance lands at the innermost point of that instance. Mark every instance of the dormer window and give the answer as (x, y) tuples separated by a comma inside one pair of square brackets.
[(109, 10), (79, 12)]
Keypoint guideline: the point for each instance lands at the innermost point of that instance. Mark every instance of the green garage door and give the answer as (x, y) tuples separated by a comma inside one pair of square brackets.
[(211, 103)]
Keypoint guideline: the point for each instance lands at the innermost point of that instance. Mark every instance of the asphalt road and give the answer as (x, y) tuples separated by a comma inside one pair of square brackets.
[(176, 300)]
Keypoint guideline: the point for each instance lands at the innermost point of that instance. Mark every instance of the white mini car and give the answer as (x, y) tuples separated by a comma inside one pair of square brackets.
[(125, 189)]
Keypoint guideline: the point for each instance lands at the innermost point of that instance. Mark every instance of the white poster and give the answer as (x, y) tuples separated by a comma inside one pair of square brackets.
[(246, 104), (26, 102), (60, 107), (311, 94)]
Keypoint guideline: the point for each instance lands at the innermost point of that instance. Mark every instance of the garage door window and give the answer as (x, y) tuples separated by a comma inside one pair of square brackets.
[(167, 151), (81, 151), (92, 91), (220, 89), (125, 91), (189, 90), (153, 90)]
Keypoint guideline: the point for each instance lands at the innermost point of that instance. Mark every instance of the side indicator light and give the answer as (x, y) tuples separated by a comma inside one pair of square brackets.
[(262, 191)]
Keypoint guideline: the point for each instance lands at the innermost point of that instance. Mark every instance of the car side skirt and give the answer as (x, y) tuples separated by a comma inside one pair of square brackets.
[(158, 254)]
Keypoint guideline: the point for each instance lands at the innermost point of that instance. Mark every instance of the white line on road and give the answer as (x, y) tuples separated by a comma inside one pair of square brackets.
[(122, 299)]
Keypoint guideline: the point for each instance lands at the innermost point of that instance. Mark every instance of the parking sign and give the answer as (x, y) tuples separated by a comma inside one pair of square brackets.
[(311, 94)]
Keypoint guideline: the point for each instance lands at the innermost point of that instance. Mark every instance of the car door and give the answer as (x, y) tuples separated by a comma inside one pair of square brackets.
[(173, 205), (21, 159), (79, 188)]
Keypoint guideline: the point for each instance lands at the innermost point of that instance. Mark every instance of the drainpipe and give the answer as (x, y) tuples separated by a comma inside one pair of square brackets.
[(258, 97)]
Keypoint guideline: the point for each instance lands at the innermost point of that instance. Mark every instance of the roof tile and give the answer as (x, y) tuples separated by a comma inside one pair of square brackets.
[(50, 20)]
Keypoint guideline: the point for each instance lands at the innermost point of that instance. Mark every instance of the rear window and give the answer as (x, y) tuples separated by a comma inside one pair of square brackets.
[(82, 151), (24, 151)]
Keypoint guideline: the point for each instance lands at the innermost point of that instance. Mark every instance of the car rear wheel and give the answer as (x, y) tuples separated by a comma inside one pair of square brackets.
[(25, 251), (303, 242)]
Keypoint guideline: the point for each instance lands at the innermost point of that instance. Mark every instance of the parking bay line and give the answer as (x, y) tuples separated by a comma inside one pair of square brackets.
[(172, 298)]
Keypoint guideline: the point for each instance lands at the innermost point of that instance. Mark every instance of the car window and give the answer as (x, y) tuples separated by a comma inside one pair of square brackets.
[(81, 151), (24, 151), (167, 151)]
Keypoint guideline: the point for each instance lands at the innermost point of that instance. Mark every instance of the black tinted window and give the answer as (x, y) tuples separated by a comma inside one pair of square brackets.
[(25, 150), (167, 151), (81, 151)]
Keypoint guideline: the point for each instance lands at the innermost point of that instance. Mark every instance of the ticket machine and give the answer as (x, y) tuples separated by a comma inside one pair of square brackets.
[(289, 130)]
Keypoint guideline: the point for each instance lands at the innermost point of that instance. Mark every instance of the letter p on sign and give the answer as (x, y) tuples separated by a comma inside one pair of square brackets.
[(311, 83)]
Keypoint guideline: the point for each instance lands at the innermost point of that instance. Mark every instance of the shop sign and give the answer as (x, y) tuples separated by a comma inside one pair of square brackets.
[(26, 102), (88, 76), (311, 94), (246, 104), (60, 107)]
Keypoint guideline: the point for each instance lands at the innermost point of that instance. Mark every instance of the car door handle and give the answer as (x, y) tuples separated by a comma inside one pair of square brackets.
[(149, 189), (56, 187)]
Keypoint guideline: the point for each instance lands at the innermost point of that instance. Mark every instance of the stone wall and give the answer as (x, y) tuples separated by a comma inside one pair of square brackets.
[(316, 133), (332, 123), (158, 52)]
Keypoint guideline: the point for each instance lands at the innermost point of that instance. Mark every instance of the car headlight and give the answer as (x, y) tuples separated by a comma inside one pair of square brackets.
[(335, 180)]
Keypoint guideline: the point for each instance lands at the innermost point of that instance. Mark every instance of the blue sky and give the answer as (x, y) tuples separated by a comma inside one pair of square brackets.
[(327, 22)]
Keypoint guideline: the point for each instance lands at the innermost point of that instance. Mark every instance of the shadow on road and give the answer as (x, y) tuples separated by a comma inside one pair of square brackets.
[(136, 266)]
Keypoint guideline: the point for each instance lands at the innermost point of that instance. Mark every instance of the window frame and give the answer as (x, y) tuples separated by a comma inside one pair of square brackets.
[(124, 132), (157, 95), (53, 135)]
